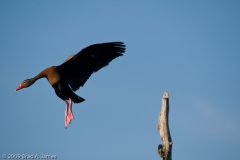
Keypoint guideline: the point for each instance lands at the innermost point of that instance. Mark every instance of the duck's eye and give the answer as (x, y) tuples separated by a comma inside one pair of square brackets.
[(24, 82)]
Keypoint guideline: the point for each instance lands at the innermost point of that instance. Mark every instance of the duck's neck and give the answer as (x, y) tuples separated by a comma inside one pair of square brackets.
[(42, 74)]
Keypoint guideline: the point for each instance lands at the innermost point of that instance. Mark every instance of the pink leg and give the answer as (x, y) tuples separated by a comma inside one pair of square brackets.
[(67, 120), (70, 110)]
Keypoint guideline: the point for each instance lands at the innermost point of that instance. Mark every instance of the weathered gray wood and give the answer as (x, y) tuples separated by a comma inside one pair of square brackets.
[(164, 150)]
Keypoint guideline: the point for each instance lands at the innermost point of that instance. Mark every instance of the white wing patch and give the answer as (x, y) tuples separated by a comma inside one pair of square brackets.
[(69, 57)]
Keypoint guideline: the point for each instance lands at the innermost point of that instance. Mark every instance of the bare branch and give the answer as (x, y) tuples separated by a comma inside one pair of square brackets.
[(165, 150)]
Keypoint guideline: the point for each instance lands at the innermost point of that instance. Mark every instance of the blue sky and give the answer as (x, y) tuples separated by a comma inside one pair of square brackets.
[(190, 48)]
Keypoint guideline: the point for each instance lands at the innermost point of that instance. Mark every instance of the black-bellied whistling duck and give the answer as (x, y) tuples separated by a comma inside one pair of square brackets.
[(75, 71)]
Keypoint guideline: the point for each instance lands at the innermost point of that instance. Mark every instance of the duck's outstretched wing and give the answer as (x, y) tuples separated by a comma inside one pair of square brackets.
[(78, 68)]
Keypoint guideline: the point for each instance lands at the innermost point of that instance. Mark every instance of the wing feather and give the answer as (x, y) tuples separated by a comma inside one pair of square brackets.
[(78, 68)]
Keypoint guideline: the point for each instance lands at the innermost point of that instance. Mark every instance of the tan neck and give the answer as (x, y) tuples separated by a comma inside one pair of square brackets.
[(42, 74)]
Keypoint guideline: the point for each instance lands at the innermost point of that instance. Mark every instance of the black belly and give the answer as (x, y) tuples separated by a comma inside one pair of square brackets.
[(64, 92)]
